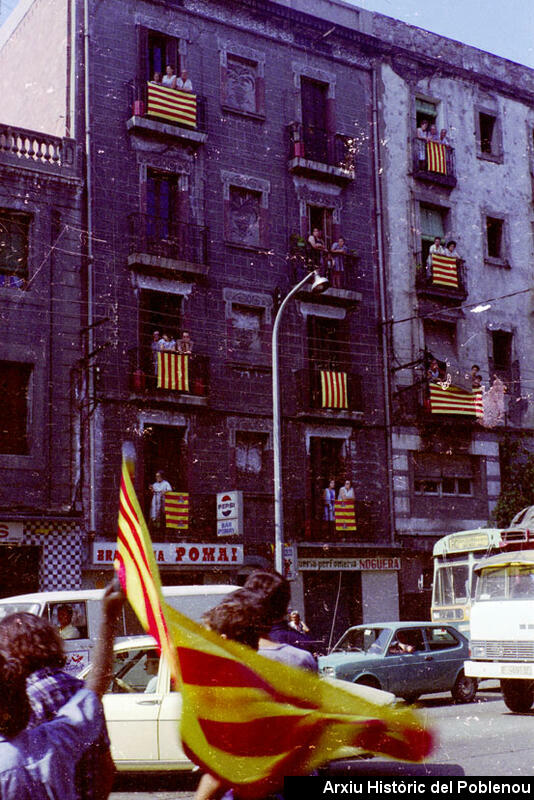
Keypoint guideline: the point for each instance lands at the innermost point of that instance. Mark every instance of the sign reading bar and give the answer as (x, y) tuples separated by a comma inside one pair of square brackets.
[(357, 564), (230, 514), (11, 532), (104, 553)]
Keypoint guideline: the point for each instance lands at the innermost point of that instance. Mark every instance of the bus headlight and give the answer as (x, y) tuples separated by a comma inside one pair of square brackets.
[(478, 650)]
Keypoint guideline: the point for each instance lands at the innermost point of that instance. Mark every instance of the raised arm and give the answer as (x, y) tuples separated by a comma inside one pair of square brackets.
[(101, 673)]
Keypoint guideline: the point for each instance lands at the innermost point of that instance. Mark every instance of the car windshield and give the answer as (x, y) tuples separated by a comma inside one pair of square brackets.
[(13, 608), (363, 640), (506, 583), (451, 585)]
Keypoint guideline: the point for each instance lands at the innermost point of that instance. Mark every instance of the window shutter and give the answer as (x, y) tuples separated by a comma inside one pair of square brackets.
[(172, 54)]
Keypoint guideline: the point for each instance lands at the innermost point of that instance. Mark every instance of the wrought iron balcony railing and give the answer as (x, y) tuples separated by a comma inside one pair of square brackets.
[(321, 146), (328, 388), (167, 238), (156, 372)]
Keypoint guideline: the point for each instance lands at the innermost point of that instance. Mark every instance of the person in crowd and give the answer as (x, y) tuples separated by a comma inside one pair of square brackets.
[(183, 82), (297, 623), (338, 251), (433, 134), (317, 245), (169, 79), (53, 738), (476, 377), (157, 506), (151, 668), (329, 498), (157, 77), (185, 345), (278, 641), (433, 373), (436, 248), (346, 493), (155, 345), (451, 249), (64, 617), (444, 137), (422, 136), (169, 342)]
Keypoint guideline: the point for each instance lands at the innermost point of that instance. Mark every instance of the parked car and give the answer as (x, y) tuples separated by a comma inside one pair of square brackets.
[(143, 710), (406, 658)]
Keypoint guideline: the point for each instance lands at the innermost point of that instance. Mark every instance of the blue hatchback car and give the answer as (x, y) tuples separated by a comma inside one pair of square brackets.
[(406, 658)]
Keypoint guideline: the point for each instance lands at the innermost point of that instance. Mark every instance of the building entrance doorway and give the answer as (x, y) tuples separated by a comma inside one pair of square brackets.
[(19, 570)]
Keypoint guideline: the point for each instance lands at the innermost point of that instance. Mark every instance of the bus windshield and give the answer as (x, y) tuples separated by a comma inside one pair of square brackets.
[(506, 583), (451, 584)]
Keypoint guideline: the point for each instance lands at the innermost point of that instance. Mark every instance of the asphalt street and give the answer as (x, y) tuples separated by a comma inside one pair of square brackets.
[(477, 739)]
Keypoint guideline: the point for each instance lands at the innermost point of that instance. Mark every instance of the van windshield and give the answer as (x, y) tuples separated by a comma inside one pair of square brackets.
[(13, 608), (506, 583)]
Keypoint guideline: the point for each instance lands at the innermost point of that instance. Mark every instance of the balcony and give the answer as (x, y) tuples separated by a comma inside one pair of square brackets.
[(27, 149), (175, 378), (329, 393), (168, 112), (167, 247), (434, 162), (320, 154), (341, 292), (427, 402), (444, 279), (315, 529)]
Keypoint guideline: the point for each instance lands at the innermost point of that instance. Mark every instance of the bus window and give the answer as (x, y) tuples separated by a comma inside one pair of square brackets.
[(451, 584), (491, 584), (521, 583)]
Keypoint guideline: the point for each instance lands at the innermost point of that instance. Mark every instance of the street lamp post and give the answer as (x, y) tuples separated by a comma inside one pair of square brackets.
[(320, 284)]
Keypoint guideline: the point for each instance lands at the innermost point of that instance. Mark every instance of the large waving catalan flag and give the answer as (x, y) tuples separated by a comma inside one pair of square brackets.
[(436, 157), (172, 104), (334, 389), (248, 720)]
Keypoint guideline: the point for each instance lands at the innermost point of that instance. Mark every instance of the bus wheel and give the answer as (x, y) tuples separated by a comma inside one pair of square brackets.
[(518, 695), (464, 689)]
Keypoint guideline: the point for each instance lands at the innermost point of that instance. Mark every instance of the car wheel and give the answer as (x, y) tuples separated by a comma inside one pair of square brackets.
[(411, 698), (464, 689), (518, 695), (368, 680)]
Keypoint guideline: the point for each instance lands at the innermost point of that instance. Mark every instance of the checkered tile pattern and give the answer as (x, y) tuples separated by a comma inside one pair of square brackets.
[(61, 546)]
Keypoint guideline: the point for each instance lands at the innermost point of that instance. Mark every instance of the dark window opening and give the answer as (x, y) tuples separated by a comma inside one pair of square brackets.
[(502, 353), (425, 111), (314, 119), (161, 312), (327, 462), (433, 223), (14, 235), (161, 51), (14, 389), (320, 217), (162, 202), (494, 231), (164, 451), (487, 125), (328, 343)]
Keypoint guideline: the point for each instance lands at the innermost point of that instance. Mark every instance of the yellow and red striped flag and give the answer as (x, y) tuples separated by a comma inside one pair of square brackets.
[(177, 510), (444, 270), (334, 389), (345, 515), (436, 157), (173, 371), (173, 104), (248, 720), (454, 400)]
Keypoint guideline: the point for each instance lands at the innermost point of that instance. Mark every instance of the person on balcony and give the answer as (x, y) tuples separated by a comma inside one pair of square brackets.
[(156, 345), (169, 79), (169, 342), (444, 137), (329, 498), (452, 251), (433, 372), (184, 83), (318, 247), (435, 248), (157, 78), (346, 493), (476, 377), (422, 136), (185, 344), (433, 134), (338, 250), (157, 504)]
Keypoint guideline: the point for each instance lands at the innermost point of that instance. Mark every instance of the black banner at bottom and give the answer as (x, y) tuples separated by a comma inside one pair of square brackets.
[(421, 787)]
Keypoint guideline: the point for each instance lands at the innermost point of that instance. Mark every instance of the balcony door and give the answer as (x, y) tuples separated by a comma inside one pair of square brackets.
[(314, 119), (162, 203), (327, 461), (320, 217), (328, 344), (164, 450)]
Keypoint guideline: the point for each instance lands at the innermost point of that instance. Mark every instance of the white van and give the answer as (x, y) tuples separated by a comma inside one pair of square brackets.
[(86, 608)]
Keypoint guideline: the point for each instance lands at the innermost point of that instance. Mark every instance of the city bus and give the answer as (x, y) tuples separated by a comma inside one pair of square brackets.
[(455, 556), (502, 632)]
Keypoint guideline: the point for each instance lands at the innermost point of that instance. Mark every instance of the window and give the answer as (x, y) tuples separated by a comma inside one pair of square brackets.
[(156, 51), (14, 408), (489, 137), (425, 110), (14, 235), (249, 452), (165, 451), (314, 119), (444, 486), (244, 221), (328, 343), (327, 462), (440, 340), (161, 313), (494, 237), (501, 354), (69, 618), (162, 203), (440, 476), (433, 221), (322, 218), (246, 328)]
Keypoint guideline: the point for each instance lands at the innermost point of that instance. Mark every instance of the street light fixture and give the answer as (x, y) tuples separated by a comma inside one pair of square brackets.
[(318, 286)]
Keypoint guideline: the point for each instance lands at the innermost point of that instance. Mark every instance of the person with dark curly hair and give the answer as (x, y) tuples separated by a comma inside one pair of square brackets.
[(72, 757), (235, 618)]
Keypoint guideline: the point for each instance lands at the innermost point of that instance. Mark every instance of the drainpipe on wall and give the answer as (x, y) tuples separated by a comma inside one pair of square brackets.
[(383, 306), (89, 251)]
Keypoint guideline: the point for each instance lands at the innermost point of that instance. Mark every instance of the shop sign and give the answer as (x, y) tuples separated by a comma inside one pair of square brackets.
[(290, 561), (11, 532), (230, 514), (205, 555), (374, 563)]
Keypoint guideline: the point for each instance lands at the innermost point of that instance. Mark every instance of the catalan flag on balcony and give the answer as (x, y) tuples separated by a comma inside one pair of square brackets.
[(245, 719), (172, 104), (177, 510), (445, 270), (436, 157), (345, 515), (454, 400), (173, 371), (334, 389)]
